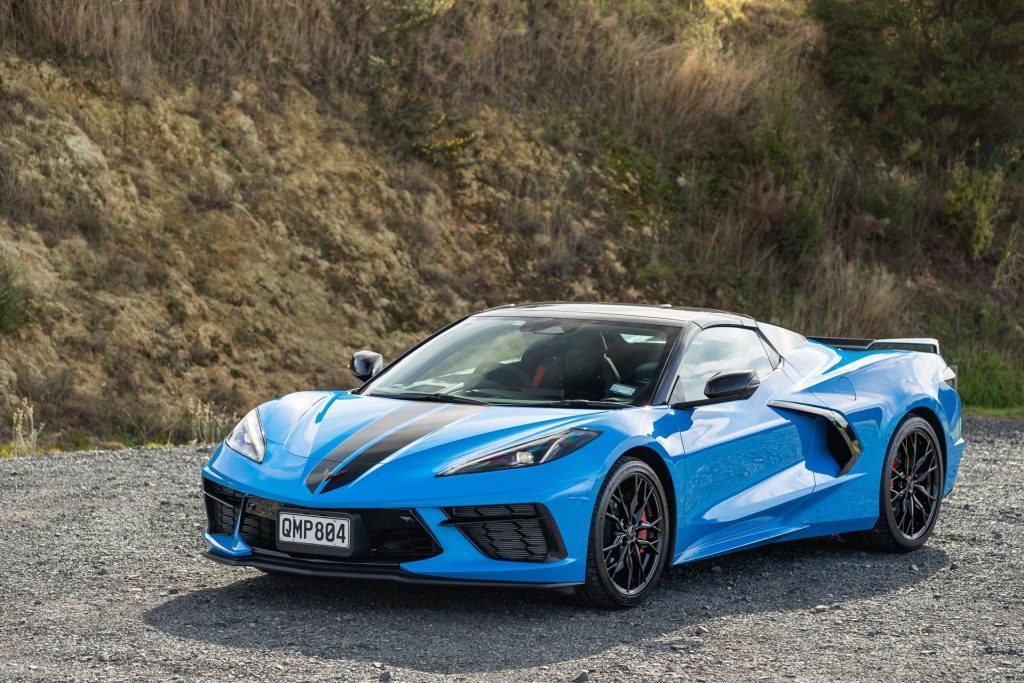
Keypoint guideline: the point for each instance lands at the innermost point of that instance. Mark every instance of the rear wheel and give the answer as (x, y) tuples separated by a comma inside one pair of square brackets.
[(629, 535), (911, 490)]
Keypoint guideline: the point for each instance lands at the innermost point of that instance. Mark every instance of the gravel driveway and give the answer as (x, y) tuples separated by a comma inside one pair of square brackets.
[(101, 579)]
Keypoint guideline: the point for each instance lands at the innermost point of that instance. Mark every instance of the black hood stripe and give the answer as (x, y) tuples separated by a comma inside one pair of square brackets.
[(395, 442), (372, 431)]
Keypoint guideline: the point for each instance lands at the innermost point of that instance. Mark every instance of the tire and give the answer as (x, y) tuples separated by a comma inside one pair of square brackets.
[(893, 533), (642, 545)]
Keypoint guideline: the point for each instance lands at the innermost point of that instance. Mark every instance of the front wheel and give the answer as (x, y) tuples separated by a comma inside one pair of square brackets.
[(911, 490), (629, 536)]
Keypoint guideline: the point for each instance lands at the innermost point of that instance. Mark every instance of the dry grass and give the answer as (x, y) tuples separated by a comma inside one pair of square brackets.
[(675, 89), (206, 423), (24, 431), (680, 95), (213, 35), (19, 197), (679, 90), (851, 298)]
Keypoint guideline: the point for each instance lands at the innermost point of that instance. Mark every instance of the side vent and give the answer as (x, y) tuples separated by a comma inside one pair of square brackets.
[(842, 441)]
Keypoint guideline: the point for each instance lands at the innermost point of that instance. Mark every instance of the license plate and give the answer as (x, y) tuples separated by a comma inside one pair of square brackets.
[(314, 530)]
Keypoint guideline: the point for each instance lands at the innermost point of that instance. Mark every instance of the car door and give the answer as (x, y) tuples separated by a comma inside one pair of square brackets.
[(743, 462)]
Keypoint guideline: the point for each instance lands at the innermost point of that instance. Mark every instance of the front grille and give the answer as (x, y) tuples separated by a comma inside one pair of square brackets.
[(392, 535), (397, 534), (521, 532)]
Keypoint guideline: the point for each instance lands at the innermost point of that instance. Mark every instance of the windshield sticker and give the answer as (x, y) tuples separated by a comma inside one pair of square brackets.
[(622, 389)]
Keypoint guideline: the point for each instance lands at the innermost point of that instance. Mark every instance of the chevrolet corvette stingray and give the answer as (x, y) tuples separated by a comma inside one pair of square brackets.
[(585, 447)]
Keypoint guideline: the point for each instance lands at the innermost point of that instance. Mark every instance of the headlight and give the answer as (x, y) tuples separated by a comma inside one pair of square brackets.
[(247, 437), (527, 454)]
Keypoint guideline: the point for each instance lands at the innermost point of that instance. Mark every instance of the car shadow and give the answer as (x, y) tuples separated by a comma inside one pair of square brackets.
[(473, 630)]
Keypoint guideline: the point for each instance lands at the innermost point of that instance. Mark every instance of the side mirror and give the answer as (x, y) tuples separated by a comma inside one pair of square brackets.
[(730, 386), (725, 386), (366, 364)]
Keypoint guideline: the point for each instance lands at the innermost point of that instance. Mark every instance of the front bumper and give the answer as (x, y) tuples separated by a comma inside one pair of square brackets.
[(487, 544)]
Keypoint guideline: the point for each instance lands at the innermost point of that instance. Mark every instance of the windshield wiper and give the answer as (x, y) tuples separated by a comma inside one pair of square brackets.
[(581, 403), (426, 396)]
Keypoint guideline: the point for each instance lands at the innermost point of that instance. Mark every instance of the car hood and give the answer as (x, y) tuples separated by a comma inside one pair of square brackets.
[(331, 429)]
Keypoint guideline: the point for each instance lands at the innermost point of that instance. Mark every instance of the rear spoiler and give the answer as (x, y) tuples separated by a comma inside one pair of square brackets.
[(922, 344)]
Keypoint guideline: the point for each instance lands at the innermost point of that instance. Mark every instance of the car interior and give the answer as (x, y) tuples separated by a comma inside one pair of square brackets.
[(585, 362)]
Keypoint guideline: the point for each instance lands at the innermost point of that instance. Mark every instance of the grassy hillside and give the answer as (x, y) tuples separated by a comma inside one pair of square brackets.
[(204, 203)]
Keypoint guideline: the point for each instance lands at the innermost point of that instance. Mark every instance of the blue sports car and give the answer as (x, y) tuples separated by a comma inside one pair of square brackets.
[(585, 447)]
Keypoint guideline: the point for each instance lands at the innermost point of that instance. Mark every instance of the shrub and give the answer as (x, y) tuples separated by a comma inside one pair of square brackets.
[(790, 146), (1010, 271), (971, 206), (939, 70), (987, 378), (14, 298)]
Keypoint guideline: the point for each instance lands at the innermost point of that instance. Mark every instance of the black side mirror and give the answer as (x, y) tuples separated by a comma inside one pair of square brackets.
[(366, 364), (725, 386), (730, 386)]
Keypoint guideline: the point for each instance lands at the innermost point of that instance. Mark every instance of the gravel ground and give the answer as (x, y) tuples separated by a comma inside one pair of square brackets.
[(101, 579)]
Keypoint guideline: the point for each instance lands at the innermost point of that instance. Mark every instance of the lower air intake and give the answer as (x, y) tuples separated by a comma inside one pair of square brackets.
[(221, 508), (522, 532)]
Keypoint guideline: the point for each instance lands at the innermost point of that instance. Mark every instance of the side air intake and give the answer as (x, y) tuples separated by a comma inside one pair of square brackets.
[(842, 441)]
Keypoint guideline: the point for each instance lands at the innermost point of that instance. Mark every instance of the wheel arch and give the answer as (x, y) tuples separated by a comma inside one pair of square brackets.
[(657, 463), (930, 416)]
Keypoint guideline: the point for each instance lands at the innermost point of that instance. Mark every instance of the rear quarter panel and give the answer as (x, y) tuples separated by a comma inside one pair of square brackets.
[(875, 390)]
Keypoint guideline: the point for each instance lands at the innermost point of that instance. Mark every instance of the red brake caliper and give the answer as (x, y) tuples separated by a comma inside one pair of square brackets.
[(895, 469), (642, 534)]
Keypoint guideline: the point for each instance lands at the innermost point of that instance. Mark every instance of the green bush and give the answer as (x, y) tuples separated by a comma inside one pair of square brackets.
[(943, 71), (988, 379), (971, 205), (397, 106), (13, 298), (792, 145)]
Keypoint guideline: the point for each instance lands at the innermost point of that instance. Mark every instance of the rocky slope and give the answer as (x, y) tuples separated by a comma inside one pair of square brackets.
[(226, 247), (205, 211)]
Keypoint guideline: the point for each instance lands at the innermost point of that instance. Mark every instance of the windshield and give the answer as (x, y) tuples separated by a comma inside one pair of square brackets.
[(541, 361)]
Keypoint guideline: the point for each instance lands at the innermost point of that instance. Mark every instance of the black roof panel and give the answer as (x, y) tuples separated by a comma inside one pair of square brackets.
[(703, 317)]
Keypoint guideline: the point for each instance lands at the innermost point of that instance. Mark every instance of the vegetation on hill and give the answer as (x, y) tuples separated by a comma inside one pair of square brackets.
[(204, 203)]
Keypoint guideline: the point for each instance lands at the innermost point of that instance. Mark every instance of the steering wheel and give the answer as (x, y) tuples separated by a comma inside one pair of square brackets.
[(510, 376)]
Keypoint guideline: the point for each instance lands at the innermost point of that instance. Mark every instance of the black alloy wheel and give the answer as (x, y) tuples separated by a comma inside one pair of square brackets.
[(914, 484), (913, 479), (629, 538)]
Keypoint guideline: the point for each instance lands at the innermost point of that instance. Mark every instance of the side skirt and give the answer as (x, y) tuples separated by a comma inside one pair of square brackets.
[(736, 544)]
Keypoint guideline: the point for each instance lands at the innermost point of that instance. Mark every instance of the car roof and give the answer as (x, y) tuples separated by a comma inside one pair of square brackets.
[(704, 317)]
